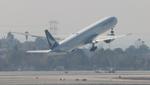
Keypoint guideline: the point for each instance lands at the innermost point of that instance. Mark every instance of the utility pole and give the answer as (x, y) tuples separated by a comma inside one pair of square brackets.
[(53, 27), (139, 42)]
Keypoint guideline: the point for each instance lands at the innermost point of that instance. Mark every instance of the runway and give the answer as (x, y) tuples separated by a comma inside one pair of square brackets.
[(74, 78)]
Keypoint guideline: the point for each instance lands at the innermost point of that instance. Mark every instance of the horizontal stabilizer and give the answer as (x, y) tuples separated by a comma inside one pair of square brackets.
[(38, 51)]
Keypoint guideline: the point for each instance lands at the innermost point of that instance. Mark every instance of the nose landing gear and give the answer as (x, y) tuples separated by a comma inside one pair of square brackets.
[(112, 33)]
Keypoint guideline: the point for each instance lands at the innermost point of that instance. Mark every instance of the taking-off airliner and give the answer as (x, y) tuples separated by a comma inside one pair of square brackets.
[(83, 37)]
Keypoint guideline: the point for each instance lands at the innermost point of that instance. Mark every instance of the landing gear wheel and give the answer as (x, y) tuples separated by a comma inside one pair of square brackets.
[(93, 47), (112, 33)]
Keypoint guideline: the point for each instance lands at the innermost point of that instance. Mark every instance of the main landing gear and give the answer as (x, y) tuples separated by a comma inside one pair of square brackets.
[(93, 48)]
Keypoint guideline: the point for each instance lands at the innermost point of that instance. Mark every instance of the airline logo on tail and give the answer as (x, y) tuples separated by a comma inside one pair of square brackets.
[(51, 41)]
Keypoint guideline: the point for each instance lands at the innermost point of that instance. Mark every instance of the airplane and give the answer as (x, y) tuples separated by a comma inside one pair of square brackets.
[(83, 37)]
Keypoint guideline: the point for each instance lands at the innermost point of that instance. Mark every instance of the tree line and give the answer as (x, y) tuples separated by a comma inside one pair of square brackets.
[(13, 57)]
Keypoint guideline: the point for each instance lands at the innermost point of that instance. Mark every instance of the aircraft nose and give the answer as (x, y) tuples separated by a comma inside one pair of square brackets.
[(114, 19)]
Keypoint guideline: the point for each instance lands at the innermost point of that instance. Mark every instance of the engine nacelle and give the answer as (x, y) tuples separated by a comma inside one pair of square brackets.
[(109, 40)]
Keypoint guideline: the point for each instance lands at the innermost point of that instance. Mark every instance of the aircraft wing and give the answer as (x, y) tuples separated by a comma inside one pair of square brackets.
[(103, 38), (38, 51)]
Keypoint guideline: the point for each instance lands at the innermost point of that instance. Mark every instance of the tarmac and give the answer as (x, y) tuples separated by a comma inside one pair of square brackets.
[(74, 78)]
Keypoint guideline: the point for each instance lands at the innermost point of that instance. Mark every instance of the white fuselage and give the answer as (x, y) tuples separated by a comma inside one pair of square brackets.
[(87, 34)]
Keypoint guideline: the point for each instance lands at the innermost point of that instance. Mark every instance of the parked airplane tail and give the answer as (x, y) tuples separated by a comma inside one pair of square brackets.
[(51, 41)]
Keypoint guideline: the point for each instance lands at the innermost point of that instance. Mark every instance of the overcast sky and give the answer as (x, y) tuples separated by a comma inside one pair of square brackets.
[(73, 15)]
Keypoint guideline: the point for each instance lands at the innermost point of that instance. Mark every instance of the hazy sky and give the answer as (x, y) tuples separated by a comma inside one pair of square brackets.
[(73, 15)]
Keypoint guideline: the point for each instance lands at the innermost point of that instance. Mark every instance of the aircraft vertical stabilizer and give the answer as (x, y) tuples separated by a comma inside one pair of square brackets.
[(51, 41)]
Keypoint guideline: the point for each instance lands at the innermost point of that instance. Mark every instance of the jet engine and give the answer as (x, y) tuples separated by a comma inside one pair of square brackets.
[(112, 33)]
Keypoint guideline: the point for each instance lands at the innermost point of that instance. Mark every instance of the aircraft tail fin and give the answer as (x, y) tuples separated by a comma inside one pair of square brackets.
[(51, 41)]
